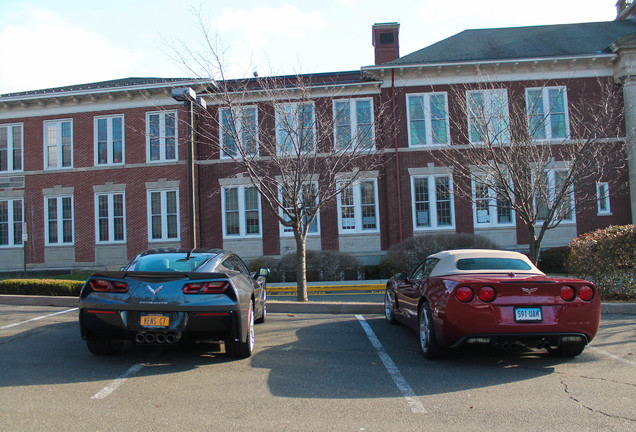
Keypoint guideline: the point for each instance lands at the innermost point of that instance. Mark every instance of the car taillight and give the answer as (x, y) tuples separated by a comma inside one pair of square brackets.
[(213, 287), (487, 294), (567, 293), (586, 293), (101, 285), (464, 294)]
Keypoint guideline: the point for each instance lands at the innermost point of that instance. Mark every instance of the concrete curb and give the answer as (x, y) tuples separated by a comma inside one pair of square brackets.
[(283, 306)]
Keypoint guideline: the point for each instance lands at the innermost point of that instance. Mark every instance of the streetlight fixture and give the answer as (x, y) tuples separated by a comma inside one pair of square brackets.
[(189, 98)]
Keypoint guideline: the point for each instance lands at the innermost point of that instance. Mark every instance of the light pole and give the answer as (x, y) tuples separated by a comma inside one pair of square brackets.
[(189, 98)]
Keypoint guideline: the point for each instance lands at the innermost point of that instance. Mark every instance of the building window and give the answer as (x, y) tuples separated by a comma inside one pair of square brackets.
[(241, 211), (163, 215), (432, 198), (58, 144), (109, 140), (295, 128), (490, 207), (547, 187), (161, 136), (488, 116), (11, 219), (358, 208), (309, 200), (547, 113), (353, 124), (59, 220), (239, 126), (11, 148), (111, 218), (603, 198), (427, 119)]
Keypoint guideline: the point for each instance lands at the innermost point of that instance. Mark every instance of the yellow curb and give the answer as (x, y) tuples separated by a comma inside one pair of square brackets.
[(311, 288)]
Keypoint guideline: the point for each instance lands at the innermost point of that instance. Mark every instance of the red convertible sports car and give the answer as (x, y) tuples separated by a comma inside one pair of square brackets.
[(491, 297)]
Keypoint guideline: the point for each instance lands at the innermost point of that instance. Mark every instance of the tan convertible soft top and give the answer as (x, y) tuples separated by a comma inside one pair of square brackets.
[(448, 260)]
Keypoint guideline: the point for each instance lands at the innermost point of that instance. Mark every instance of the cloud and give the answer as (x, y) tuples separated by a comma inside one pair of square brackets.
[(47, 49)]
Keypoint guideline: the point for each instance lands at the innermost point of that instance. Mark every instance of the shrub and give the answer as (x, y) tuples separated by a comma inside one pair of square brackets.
[(607, 257), (412, 251), (553, 260), (321, 266), (47, 287)]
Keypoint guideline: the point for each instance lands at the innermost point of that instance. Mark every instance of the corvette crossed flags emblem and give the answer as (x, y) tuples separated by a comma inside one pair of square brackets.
[(154, 291)]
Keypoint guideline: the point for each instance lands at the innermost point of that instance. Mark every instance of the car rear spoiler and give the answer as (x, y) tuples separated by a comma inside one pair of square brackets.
[(159, 276)]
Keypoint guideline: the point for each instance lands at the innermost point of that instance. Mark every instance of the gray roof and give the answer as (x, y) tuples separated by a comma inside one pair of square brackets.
[(559, 40)]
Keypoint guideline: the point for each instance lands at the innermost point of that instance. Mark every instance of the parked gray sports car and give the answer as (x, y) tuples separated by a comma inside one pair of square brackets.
[(169, 296)]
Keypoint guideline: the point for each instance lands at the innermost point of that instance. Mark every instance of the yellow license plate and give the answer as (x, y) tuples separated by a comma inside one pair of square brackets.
[(155, 321)]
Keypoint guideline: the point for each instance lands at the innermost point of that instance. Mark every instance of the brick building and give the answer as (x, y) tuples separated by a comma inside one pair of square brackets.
[(92, 174)]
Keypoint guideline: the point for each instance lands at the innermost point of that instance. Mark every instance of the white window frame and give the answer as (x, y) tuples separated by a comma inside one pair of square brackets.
[(551, 177), (110, 151), (13, 239), (164, 214), (603, 199), (239, 114), (354, 142), (162, 136), (11, 149), (357, 208), (242, 213), (548, 111), (432, 194), (110, 217), (59, 219), (428, 120), (294, 124), (490, 102), (493, 214), (287, 231), (59, 147)]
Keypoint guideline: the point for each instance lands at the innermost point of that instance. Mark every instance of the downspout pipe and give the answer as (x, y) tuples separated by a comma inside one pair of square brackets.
[(397, 156)]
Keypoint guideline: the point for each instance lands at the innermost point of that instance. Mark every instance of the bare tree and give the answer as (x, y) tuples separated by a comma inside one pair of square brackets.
[(525, 151), (299, 150)]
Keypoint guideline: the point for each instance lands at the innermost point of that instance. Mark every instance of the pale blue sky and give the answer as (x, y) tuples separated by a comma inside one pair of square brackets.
[(48, 43)]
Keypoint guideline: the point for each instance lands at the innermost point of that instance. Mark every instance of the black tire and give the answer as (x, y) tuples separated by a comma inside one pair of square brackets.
[(243, 349), (104, 346), (428, 340), (389, 307), (567, 350)]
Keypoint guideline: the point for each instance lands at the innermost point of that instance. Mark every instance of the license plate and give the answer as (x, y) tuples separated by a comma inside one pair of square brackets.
[(155, 320), (528, 314)]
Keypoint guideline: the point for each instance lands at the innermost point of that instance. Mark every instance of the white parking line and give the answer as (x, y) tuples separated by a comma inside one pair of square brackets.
[(398, 379), (614, 356), (119, 381), (36, 319)]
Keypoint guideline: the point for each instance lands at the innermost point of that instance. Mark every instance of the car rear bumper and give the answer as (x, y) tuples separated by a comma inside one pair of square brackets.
[(530, 340)]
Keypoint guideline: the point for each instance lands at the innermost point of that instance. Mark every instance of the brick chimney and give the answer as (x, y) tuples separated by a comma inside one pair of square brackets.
[(386, 42)]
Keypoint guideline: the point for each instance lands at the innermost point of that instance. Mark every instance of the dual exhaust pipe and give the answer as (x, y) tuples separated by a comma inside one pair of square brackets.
[(159, 338)]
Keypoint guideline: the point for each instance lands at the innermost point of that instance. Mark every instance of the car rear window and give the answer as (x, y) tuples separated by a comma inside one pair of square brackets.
[(492, 264), (170, 262)]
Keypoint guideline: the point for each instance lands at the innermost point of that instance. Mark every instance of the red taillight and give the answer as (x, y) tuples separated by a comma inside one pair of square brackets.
[(487, 294), (101, 285), (586, 293), (567, 293), (464, 294), (213, 287), (192, 288)]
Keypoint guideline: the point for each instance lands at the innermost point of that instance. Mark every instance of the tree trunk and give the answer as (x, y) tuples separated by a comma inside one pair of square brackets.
[(534, 245), (301, 267)]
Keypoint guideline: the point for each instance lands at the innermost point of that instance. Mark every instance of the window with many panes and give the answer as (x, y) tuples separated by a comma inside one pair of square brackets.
[(603, 198), (109, 140), (295, 128), (241, 211), (490, 206), (427, 119), (547, 188), (488, 116), (547, 113), (58, 144), (11, 219), (59, 220), (163, 214), (161, 136), (432, 199), (110, 217), (11, 148), (353, 124), (358, 208), (309, 199), (239, 127)]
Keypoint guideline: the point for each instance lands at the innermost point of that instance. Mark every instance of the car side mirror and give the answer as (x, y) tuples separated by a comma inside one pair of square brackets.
[(401, 276), (262, 272)]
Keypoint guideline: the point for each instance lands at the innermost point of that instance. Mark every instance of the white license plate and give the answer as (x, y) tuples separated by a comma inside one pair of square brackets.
[(528, 314)]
